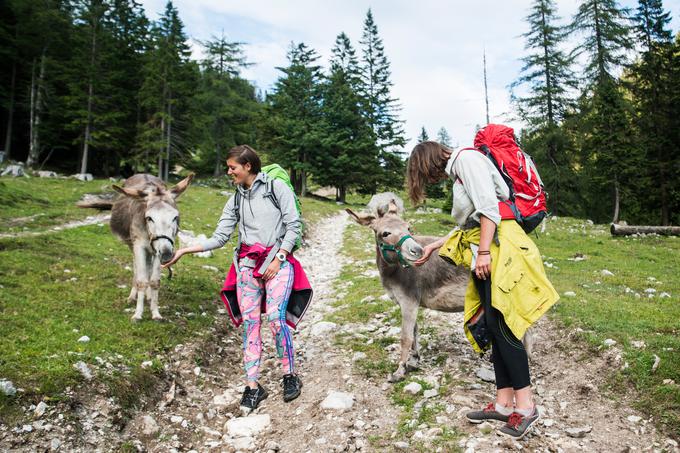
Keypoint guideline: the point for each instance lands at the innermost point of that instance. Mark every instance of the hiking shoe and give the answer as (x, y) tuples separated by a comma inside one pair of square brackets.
[(292, 386), (518, 425), (252, 398), (488, 413)]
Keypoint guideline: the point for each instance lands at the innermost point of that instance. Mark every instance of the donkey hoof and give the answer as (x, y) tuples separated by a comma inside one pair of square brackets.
[(158, 318), (136, 318), (412, 365), (397, 376)]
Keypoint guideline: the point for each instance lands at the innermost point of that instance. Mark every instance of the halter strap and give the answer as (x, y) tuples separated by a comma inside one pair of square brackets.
[(384, 248), (162, 236)]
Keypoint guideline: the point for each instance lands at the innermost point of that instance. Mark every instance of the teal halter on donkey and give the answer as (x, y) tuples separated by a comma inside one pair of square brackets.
[(384, 248)]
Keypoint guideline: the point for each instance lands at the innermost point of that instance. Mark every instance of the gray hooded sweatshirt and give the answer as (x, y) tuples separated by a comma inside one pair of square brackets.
[(259, 220)]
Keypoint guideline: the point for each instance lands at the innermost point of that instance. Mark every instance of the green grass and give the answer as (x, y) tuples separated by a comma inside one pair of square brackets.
[(58, 287)]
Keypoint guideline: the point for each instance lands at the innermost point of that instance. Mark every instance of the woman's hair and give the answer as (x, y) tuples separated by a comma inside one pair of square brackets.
[(244, 154), (426, 165)]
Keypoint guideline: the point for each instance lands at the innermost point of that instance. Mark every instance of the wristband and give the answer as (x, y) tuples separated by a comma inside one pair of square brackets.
[(484, 252)]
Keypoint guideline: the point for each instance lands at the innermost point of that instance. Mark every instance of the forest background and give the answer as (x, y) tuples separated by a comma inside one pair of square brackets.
[(96, 86)]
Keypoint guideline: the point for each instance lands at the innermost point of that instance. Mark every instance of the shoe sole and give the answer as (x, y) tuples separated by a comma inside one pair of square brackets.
[(478, 422), (526, 431), (287, 399)]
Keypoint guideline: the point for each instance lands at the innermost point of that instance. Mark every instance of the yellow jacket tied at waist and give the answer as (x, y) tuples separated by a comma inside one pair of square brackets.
[(520, 290)]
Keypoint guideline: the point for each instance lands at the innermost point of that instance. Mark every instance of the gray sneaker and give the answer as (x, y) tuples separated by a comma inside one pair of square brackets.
[(518, 425), (488, 413)]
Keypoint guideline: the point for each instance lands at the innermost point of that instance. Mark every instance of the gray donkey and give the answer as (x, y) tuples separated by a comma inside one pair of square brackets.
[(436, 285), (145, 217)]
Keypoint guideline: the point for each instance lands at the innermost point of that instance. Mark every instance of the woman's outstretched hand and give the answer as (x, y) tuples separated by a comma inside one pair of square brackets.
[(427, 252), (178, 254)]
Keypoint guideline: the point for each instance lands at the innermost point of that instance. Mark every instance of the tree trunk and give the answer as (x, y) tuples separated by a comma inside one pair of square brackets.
[(160, 151), (342, 194), (168, 143), (10, 112), (625, 230), (36, 110), (617, 199), (90, 96), (218, 168)]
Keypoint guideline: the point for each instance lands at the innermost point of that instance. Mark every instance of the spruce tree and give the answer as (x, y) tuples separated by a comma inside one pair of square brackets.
[(609, 156), (292, 125), (423, 136), (651, 83), (549, 82), (350, 156), (381, 109)]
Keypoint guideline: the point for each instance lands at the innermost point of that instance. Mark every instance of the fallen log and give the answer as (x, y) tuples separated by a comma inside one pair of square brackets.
[(627, 230)]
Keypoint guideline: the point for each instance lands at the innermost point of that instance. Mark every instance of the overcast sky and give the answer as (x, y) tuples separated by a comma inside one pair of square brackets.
[(434, 47)]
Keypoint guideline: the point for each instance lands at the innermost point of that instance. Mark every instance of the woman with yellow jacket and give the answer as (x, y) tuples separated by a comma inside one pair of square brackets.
[(496, 315)]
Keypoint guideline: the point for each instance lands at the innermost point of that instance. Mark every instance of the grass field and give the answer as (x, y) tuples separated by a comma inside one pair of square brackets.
[(56, 288)]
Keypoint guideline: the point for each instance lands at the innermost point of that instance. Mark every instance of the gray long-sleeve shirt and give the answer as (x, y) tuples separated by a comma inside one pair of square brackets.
[(477, 187), (259, 221)]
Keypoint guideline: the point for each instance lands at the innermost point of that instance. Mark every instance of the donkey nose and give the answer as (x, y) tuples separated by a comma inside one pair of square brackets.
[(416, 250), (166, 256)]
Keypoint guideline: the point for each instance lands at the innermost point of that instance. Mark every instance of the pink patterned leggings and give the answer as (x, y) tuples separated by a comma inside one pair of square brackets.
[(249, 291)]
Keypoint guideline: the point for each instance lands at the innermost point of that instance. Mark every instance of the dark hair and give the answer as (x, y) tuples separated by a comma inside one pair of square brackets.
[(426, 165), (244, 154)]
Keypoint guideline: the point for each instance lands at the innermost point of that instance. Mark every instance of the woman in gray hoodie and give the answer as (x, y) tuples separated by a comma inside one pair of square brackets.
[(268, 225)]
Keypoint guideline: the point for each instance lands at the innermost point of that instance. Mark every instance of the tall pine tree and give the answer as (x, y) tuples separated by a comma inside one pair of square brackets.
[(609, 157), (381, 109)]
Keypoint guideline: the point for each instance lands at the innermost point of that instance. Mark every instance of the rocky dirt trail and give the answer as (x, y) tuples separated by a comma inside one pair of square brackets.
[(196, 409)]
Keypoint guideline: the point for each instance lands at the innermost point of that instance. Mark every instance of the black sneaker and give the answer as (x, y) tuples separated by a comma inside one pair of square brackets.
[(252, 398), (488, 413), (518, 425), (292, 386)]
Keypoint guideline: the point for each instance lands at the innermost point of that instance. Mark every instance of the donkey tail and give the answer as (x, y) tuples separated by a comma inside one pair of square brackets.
[(97, 202)]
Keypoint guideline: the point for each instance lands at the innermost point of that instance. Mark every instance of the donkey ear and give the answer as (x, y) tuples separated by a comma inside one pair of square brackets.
[(181, 186), (365, 220), (132, 193)]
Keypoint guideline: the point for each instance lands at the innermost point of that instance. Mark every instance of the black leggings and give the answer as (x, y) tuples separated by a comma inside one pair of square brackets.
[(508, 355)]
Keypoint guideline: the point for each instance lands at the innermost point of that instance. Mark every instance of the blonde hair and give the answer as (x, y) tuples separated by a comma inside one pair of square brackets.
[(426, 165)]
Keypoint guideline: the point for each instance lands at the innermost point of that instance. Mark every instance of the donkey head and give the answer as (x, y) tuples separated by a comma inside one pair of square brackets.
[(161, 216), (392, 234)]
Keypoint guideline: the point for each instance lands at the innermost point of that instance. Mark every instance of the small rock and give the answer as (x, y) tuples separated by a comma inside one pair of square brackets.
[(578, 433), (271, 445), (247, 426), (657, 361), (147, 363), (634, 418), (638, 344), (485, 428), (486, 374), (569, 294), (210, 268), (7, 387), (197, 371), (413, 388), (27, 428), (322, 328), (359, 356), (149, 426), (608, 343), (40, 409), (338, 401), (176, 419), (430, 393), (83, 177), (668, 382), (84, 370), (606, 273), (55, 444), (243, 443), (84, 339), (393, 332), (401, 445)]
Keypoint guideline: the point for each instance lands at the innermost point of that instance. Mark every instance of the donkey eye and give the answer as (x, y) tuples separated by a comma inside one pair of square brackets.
[(149, 219), (176, 220), (385, 234)]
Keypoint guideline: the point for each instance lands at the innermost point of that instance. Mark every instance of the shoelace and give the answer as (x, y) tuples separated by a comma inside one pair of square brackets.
[(490, 408), (515, 420)]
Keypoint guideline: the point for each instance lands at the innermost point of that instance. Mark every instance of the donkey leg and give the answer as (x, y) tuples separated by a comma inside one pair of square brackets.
[(414, 359), (133, 291), (154, 285), (141, 280), (409, 313)]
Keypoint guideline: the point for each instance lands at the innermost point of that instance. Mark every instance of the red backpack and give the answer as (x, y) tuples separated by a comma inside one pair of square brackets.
[(527, 196)]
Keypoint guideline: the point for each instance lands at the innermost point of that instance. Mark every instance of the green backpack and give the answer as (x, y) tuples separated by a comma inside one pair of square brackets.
[(276, 171)]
